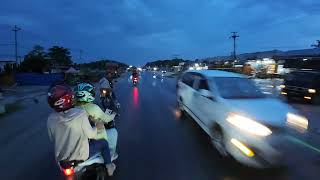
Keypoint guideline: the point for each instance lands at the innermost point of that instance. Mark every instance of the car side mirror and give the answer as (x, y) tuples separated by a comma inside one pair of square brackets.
[(207, 94)]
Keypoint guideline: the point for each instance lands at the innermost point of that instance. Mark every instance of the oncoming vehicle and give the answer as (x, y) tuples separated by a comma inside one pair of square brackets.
[(302, 84), (163, 73), (240, 120)]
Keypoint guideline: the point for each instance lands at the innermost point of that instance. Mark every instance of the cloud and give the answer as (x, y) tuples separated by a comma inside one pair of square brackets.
[(139, 30)]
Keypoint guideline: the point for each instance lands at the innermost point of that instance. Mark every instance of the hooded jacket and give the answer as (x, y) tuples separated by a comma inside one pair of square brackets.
[(70, 132)]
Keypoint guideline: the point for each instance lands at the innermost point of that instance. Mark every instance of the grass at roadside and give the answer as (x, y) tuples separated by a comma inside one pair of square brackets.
[(11, 108)]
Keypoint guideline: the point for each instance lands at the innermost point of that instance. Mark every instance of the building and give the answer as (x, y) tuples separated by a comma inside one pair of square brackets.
[(3, 63)]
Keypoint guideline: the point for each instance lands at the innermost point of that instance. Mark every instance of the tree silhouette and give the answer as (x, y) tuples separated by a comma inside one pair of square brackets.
[(59, 56), (35, 60)]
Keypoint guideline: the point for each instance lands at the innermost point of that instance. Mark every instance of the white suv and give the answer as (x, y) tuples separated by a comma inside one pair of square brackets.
[(239, 118)]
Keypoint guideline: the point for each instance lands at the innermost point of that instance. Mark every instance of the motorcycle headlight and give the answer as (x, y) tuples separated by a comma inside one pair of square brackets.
[(104, 91), (298, 122), (248, 125)]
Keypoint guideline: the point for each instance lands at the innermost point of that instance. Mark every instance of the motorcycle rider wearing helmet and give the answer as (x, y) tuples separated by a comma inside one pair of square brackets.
[(70, 130), (85, 95), (106, 86)]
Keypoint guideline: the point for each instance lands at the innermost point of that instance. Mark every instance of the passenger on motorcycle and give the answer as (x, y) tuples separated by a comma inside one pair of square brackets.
[(85, 95), (70, 130)]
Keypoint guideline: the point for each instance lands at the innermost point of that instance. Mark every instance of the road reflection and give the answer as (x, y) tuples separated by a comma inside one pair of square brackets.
[(135, 96)]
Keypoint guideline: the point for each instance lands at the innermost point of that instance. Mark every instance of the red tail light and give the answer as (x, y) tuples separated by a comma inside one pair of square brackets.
[(68, 172)]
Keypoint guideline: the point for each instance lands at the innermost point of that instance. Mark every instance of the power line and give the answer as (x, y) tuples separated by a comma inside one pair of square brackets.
[(16, 29), (234, 36)]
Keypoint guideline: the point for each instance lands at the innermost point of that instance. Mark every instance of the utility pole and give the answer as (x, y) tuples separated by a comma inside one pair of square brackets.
[(234, 36), (16, 29), (80, 54), (316, 45)]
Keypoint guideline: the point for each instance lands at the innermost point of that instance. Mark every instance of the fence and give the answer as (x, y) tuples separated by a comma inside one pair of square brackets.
[(37, 79)]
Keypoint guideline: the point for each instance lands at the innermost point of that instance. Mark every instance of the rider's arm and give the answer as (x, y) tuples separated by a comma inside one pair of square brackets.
[(49, 126), (50, 134), (96, 112), (90, 132)]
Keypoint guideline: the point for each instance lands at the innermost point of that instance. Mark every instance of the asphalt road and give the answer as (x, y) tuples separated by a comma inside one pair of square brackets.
[(153, 143)]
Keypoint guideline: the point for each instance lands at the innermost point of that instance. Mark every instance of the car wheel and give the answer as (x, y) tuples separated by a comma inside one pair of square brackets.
[(218, 140), (180, 109)]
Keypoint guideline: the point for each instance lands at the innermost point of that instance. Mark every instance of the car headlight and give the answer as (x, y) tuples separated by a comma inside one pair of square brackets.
[(248, 125), (312, 91), (282, 86), (298, 122)]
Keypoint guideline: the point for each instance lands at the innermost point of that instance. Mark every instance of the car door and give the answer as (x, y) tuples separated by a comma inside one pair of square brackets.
[(207, 108), (185, 89)]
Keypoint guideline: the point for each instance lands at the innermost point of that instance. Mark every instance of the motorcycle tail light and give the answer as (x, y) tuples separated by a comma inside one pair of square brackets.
[(68, 171)]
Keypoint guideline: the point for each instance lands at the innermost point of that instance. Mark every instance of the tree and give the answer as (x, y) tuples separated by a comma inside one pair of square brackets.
[(60, 56), (316, 45), (37, 51), (35, 60)]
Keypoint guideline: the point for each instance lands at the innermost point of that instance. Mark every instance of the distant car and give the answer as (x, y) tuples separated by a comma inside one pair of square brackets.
[(240, 120), (302, 84)]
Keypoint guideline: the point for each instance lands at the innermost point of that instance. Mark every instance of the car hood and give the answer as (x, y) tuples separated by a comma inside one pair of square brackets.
[(267, 111)]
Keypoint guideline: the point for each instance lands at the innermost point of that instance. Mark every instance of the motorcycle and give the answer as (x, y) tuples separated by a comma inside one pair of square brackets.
[(93, 168), (135, 81), (108, 102)]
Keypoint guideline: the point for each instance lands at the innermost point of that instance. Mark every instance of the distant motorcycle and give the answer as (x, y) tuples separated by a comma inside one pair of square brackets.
[(135, 81), (93, 168)]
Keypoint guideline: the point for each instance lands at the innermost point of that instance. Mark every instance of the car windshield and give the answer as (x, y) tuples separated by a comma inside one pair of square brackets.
[(237, 88), (306, 78)]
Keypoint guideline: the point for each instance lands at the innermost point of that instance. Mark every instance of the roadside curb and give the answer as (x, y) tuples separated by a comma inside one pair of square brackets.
[(4, 103)]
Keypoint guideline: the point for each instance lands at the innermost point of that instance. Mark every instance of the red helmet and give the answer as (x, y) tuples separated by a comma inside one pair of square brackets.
[(60, 97)]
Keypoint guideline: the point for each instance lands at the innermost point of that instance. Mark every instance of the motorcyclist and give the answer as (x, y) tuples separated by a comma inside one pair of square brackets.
[(106, 86), (70, 130), (135, 74), (85, 95)]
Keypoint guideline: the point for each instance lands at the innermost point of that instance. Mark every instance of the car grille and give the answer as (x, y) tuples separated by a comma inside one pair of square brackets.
[(295, 88)]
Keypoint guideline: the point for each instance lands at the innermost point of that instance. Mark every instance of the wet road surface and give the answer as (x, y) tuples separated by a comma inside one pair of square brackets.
[(153, 143)]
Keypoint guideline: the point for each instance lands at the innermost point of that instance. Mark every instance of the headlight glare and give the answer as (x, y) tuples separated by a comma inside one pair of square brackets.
[(312, 91), (248, 125), (298, 122)]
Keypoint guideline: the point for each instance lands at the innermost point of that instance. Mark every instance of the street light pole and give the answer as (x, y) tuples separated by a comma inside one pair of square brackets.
[(80, 54), (234, 37), (16, 29)]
